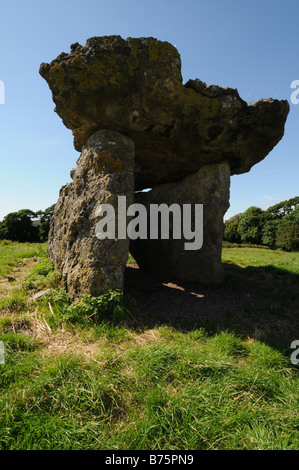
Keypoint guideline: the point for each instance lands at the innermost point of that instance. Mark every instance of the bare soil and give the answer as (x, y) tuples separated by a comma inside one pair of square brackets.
[(13, 280)]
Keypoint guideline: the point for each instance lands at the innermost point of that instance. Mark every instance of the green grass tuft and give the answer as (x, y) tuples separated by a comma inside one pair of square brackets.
[(98, 375)]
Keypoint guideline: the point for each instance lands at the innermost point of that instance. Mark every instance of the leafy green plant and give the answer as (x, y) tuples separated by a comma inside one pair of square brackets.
[(112, 305), (42, 276), (44, 267)]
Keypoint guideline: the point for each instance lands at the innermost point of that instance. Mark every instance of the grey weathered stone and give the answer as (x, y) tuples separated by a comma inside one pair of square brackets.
[(135, 87), (182, 140), (168, 258), (105, 170)]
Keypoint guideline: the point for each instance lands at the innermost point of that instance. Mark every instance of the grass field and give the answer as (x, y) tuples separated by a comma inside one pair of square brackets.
[(257, 257), (13, 255), (75, 380)]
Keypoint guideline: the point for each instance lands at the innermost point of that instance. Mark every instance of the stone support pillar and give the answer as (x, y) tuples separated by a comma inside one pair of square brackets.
[(209, 186), (105, 170)]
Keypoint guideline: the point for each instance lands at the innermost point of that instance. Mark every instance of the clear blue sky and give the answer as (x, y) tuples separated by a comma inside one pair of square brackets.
[(251, 45)]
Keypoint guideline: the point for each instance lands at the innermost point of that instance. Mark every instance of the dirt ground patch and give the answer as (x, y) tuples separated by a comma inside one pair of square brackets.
[(16, 276)]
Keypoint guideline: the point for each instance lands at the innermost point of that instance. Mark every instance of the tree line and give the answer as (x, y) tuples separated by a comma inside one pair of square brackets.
[(26, 225), (275, 227)]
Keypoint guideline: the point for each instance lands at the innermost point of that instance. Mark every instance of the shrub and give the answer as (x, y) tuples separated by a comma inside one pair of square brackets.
[(113, 305)]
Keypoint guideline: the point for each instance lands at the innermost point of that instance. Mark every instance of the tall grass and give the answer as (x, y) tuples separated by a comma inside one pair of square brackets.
[(116, 383), (12, 254), (182, 390)]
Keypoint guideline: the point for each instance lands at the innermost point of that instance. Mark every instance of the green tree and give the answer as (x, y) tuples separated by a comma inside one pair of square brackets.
[(287, 236), (283, 208), (269, 233), (18, 226), (231, 233), (276, 227), (250, 225), (292, 217), (44, 218)]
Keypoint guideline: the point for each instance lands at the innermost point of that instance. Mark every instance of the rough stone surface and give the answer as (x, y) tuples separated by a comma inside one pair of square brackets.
[(168, 258), (105, 170), (138, 126), (135, 86)]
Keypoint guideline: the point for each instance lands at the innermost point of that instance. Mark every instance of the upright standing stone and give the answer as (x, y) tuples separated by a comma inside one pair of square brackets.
[(105, 170), (170, 258)]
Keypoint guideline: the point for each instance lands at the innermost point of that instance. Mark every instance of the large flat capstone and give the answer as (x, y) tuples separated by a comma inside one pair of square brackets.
[(134, 86)]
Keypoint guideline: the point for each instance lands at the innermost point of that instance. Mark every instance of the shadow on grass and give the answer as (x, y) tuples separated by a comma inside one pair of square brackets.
[(257, 302)]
